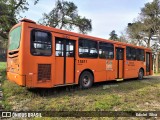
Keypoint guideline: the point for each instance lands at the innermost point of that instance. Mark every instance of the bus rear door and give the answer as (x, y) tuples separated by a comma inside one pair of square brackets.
[(64, 61), (119, 63)]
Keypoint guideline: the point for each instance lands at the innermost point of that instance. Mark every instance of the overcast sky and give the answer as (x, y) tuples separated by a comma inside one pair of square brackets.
[(106, 15)]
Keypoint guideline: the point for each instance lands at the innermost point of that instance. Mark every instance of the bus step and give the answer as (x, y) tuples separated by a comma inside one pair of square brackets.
[(121, 79)]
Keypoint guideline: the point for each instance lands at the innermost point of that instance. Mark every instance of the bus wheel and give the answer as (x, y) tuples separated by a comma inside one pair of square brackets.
[(140, 74), (86, 80)]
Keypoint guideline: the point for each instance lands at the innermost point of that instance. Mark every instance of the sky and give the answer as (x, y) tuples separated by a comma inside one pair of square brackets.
[(106, 15)]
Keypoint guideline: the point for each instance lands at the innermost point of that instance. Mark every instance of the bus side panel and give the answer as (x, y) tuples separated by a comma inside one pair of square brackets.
[(70, 73), (33, 65), (130, 69), (121, 68), (100, 72), (110, 69), (59, 69), (91, 64)]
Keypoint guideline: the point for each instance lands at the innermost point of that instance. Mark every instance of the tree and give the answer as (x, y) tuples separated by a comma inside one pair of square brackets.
[(123, 37), (113, 35), (65, 16), (145, 29), (9, 13), (150, 17), (135, 33)]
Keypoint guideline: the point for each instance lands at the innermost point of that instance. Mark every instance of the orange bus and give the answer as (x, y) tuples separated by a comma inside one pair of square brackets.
[(43, 57)]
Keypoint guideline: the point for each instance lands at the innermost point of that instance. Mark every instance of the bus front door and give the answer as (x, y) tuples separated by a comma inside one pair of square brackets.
[(64, 61), (119, 63)]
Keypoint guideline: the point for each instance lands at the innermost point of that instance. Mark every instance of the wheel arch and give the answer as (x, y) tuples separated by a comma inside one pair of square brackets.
[(89, 70), (141, 69)]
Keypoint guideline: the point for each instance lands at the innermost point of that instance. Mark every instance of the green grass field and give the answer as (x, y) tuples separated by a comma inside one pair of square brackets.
[(129, 95)]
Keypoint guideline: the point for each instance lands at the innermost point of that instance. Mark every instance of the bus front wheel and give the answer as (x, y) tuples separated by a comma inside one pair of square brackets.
[(86, 80), (140, 74)]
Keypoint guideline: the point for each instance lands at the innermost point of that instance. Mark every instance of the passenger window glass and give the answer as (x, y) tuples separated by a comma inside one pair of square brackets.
[(87, 48), (106, 50), (59, 47), (70, 48), (130, 53), (41, 44), (119, 54), (140, 55)]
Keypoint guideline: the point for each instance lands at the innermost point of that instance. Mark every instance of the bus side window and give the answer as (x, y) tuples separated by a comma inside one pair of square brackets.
[(130, 53), (41, 43), (88, 48), (106, 50), (140, 55)]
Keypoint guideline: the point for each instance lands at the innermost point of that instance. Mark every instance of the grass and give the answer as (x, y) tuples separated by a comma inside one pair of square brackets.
[(129, 95), (2, 66), (2, 78), (2, 70)]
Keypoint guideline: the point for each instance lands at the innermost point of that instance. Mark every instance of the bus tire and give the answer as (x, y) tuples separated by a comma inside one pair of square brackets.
[(86, 80), (140, 74)]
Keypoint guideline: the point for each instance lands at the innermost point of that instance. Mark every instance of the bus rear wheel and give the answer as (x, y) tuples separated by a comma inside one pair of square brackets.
[(140, 74), (86, 80)]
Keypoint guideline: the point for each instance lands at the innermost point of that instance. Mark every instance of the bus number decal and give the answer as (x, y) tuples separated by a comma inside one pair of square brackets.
[(82, 61)]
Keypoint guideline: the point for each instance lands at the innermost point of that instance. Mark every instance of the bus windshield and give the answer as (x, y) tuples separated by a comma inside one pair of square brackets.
[(14, 38)]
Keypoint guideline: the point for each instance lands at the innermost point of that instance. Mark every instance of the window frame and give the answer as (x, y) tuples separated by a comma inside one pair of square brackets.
[(61, 50), (73, 44), (31, 41), (81, 38), (65, 42), (131, 49), (140, 55), (105, 56)]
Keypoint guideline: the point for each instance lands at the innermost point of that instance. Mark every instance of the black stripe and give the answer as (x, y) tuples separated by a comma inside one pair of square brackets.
[(118, 69), (74, 77)]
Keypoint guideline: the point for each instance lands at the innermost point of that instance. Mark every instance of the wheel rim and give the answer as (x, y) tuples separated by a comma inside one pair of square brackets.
[(86, 81)]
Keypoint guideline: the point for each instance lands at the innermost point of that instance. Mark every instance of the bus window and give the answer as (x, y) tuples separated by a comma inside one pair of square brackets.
[(41, 43), (14, 37), (59, 47), (119, 54), (70, 49), (130, 53), (87, 48), (140, 54), (106, 50)]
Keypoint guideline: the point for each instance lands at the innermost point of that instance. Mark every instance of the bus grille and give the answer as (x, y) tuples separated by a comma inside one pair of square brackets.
[(44, 71)]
